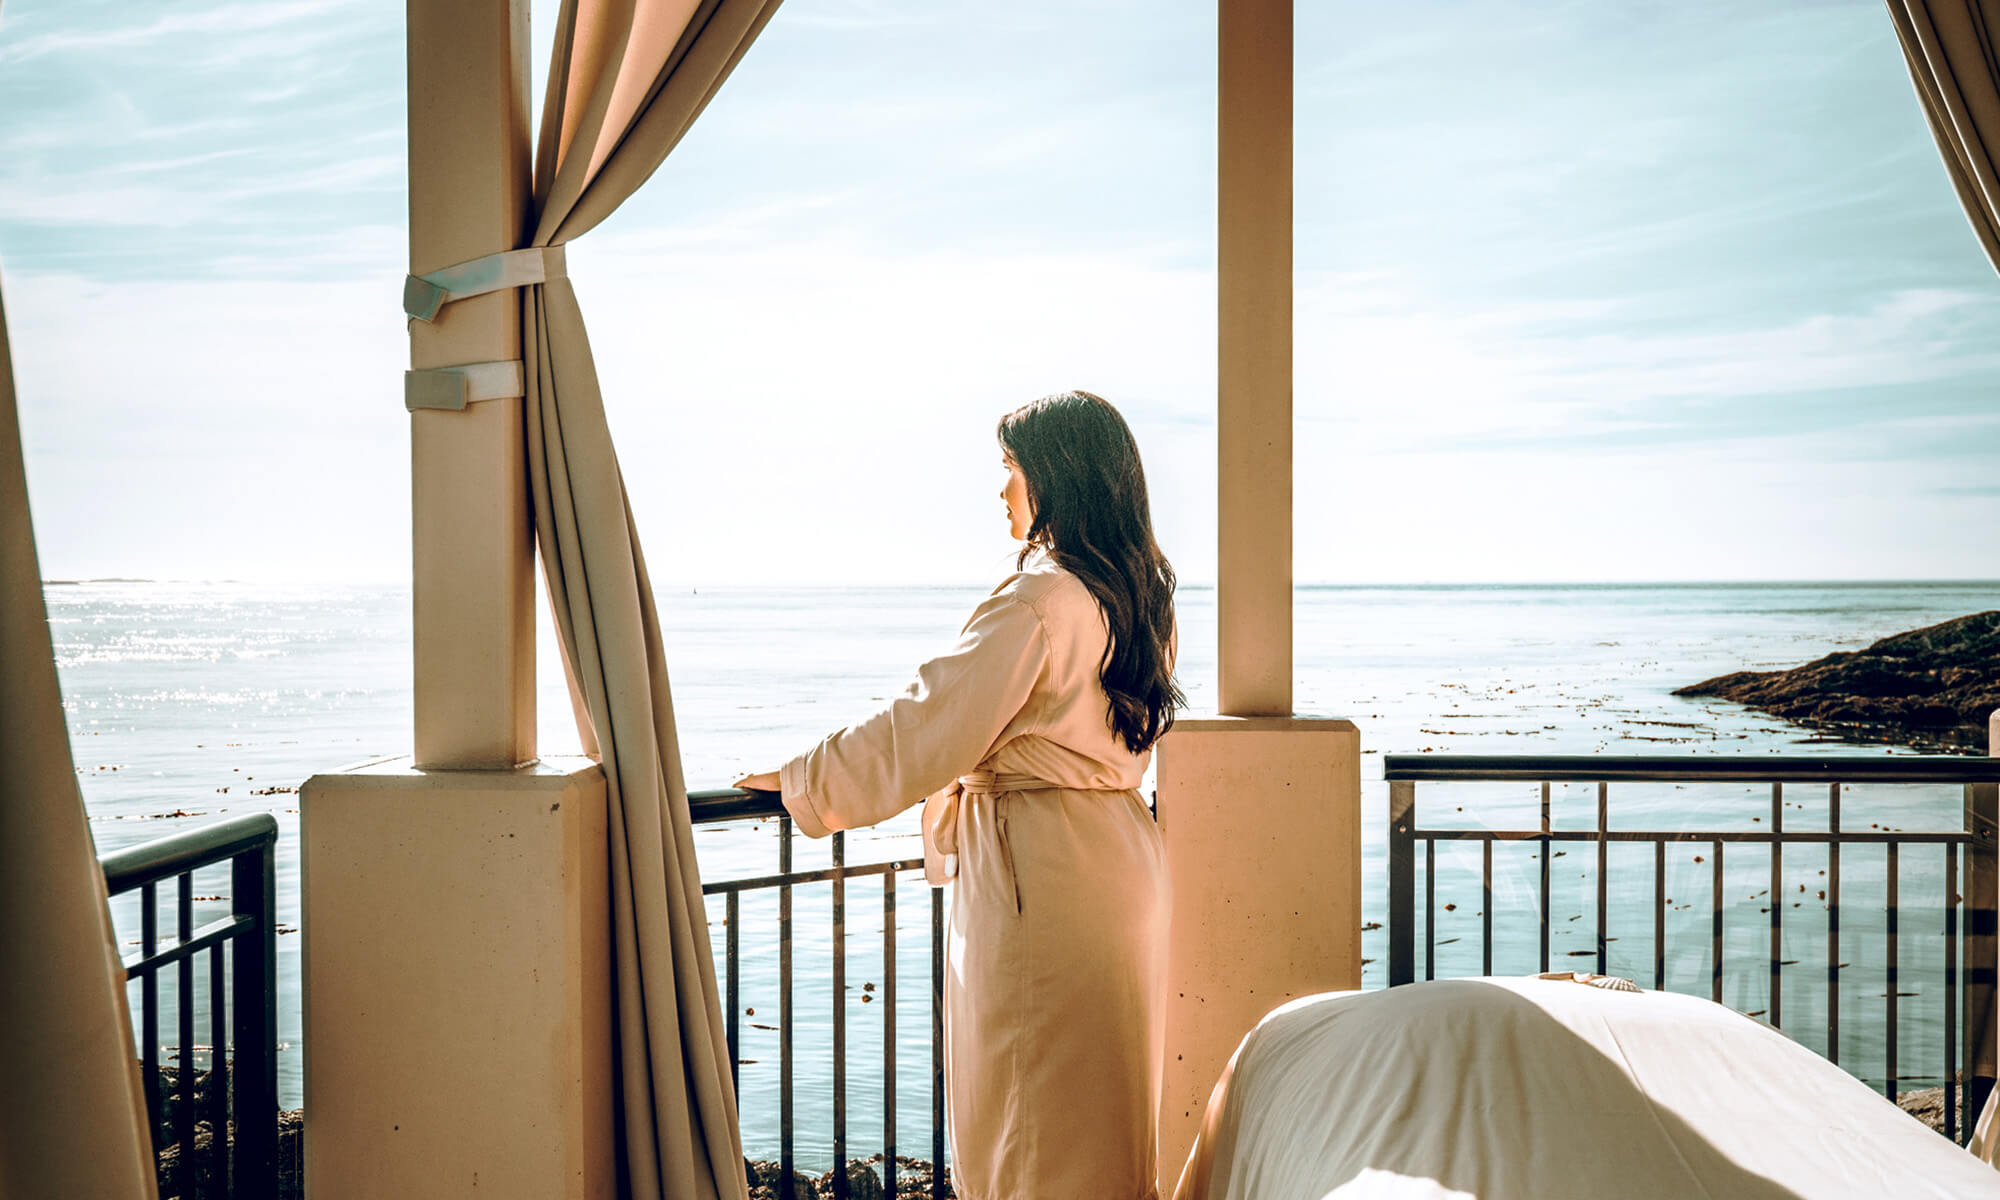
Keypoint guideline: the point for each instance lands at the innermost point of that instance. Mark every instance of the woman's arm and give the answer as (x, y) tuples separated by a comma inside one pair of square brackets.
[(942, 725)]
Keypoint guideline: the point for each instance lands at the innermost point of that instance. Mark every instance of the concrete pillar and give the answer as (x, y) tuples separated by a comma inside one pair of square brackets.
[(1260, 810), (472, 541), (456, 916), (457, 935), (1254, 357), (1262, 822), (1982, 963)]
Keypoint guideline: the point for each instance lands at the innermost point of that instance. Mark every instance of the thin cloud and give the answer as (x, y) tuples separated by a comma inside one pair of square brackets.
[(228, 20), (101, 201)]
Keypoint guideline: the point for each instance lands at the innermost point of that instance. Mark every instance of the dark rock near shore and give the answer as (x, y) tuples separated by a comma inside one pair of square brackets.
[(913, 1178), (204, 1171), (1930, 688), (864, 1181), (767, 1180), (1927, 1105)]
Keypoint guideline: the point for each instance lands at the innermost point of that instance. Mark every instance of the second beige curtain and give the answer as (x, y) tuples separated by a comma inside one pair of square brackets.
[(1950, 48), (73, 1123), (1954, 62), (628, 80)]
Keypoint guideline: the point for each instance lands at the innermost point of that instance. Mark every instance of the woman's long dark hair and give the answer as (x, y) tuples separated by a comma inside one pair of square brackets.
[(1088, 493)]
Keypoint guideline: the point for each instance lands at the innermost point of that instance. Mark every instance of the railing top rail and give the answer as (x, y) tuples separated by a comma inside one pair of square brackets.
[(1669, 768), (732, 804), (164, 858)]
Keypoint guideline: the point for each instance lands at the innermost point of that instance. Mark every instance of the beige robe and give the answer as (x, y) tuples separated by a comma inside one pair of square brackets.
[(1056, 961)]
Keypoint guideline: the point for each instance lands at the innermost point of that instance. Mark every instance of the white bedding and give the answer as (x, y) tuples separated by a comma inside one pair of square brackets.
[(1511, 1089)]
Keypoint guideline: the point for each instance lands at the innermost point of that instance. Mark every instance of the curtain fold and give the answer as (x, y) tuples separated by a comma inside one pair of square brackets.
[(627, 81), (76, 1121), (1950, 48)]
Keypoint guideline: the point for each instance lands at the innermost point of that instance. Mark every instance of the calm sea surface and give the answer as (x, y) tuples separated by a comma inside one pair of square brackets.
[(190, 701)]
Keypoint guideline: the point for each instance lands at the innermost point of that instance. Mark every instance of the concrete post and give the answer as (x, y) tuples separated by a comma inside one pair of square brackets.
[(1262, 822), (1254, 357), (1260, 810), (457, 932), (1983, 967), (472, 541), (456, 906)]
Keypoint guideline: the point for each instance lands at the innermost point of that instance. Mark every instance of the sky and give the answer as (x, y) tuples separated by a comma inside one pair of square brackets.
[(1584, 291)]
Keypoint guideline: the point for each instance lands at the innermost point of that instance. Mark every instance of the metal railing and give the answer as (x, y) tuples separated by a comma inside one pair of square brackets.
[(242, 1086), (733, 804), (1974, 841)]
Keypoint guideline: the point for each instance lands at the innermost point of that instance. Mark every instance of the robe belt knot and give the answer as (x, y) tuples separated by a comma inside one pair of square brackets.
[(941, 819)]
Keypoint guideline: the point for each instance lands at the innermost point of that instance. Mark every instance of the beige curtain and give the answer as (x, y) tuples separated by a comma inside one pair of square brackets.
[(628, 79), (1950, 46), (1954, 60), (73, 1122)]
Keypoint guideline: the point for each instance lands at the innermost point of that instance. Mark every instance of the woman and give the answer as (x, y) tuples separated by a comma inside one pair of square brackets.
[(1027, 742)]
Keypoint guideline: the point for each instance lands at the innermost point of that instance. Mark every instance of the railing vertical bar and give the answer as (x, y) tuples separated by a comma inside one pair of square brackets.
[(1951, 1084), (218, 1071), (1402, 882), (937, 1044), (184, 978), (1777, 902), (1545, 876), (1659, 916), (889, 1033), (732, 959), (253, 893), (787, 1160), (149, 1006), (1715, 936), (1430, 908), (1889, 1054), (839, 1016), (1833, 926), (1603, 867), (1486, 907), (1982, 915)]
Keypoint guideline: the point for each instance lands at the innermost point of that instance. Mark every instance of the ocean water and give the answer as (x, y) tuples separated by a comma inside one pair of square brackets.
[(192, 701)]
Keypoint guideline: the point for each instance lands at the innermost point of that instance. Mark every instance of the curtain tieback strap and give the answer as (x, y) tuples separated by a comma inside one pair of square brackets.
[(468, 383), (424, 295)]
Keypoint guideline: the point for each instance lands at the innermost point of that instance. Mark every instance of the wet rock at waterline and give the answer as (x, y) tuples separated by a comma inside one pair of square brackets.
[(1931, 688)]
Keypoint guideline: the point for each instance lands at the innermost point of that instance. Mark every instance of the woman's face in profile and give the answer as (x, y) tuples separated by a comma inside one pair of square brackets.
[(1020, 514)]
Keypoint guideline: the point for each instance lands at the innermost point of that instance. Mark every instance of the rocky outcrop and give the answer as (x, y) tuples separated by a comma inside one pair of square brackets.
[(1930, 688), (203, 1172), (864, 1182), (1927, 1106)]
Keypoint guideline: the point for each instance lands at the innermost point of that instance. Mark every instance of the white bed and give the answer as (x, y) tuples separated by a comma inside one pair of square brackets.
[(1512, 1089)]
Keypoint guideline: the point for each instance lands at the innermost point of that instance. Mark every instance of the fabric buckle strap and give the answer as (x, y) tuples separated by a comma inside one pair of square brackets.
[(452, 388), (424, 295)]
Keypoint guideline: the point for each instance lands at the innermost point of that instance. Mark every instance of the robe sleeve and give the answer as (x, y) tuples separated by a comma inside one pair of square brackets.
[(942, 726)]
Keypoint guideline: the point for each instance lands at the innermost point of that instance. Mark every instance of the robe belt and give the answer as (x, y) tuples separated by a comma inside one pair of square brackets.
[(941, 818)]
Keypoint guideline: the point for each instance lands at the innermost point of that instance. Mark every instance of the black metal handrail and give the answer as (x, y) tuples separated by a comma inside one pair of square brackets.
[(246, 1091), (1975, 839), (732, 804), (735, 804), (1683, 768)]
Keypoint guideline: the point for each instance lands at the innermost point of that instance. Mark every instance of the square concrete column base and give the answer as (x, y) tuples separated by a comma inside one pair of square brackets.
[(457, 982), (1262, 822)]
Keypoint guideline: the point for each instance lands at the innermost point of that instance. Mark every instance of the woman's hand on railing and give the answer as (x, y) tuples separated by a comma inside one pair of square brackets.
[(766, 782)]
